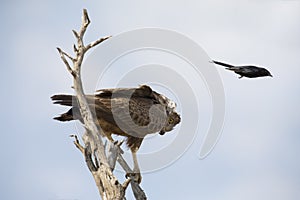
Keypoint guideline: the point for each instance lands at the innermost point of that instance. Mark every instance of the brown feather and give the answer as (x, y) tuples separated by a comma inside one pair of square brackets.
[(122, 111)]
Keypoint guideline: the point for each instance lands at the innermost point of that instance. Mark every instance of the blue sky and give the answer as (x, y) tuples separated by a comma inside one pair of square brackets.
[(257, 154)]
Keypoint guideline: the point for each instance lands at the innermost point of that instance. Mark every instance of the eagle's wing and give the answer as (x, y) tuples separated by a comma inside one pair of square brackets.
[(136, 111), (136, 116), (143, 91)]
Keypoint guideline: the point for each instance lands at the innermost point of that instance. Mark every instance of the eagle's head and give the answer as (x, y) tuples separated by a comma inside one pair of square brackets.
[(172, 120)]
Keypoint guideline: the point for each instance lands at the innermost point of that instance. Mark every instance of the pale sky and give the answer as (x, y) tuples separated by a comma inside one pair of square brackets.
[(256, 156)]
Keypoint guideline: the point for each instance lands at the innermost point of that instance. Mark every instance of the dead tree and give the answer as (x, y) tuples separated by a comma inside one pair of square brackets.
[(100, 159)]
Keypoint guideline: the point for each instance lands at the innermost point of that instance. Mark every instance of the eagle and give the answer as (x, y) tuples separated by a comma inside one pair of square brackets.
[(249, 71), (130, 112)]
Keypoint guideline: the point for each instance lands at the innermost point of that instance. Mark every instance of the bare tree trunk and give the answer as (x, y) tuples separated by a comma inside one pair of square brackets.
[(100, 165)]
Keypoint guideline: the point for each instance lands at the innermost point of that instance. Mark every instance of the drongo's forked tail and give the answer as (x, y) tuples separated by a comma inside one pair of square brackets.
[(223, 64)]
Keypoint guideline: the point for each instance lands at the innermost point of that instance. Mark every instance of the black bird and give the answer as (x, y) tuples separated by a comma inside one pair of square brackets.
[(249, 71)]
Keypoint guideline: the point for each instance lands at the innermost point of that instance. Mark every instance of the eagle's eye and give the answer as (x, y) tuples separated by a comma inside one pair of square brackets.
[(171, 120)]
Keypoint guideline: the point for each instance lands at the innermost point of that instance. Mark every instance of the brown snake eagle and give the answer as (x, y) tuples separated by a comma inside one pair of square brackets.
[(130, 112)]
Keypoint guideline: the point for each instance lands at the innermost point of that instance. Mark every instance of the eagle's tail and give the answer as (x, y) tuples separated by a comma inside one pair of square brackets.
[(67, 100), (64, 99), (68, 116)]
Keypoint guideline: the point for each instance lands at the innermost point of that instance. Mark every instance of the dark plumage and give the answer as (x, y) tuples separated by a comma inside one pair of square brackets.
[(249, 71), (129, 112)]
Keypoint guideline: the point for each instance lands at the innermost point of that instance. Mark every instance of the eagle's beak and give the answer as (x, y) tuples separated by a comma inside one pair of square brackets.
[(161, 132)]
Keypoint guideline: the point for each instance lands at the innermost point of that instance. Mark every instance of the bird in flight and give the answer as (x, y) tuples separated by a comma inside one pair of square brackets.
[(249, 71), (130, 112)]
